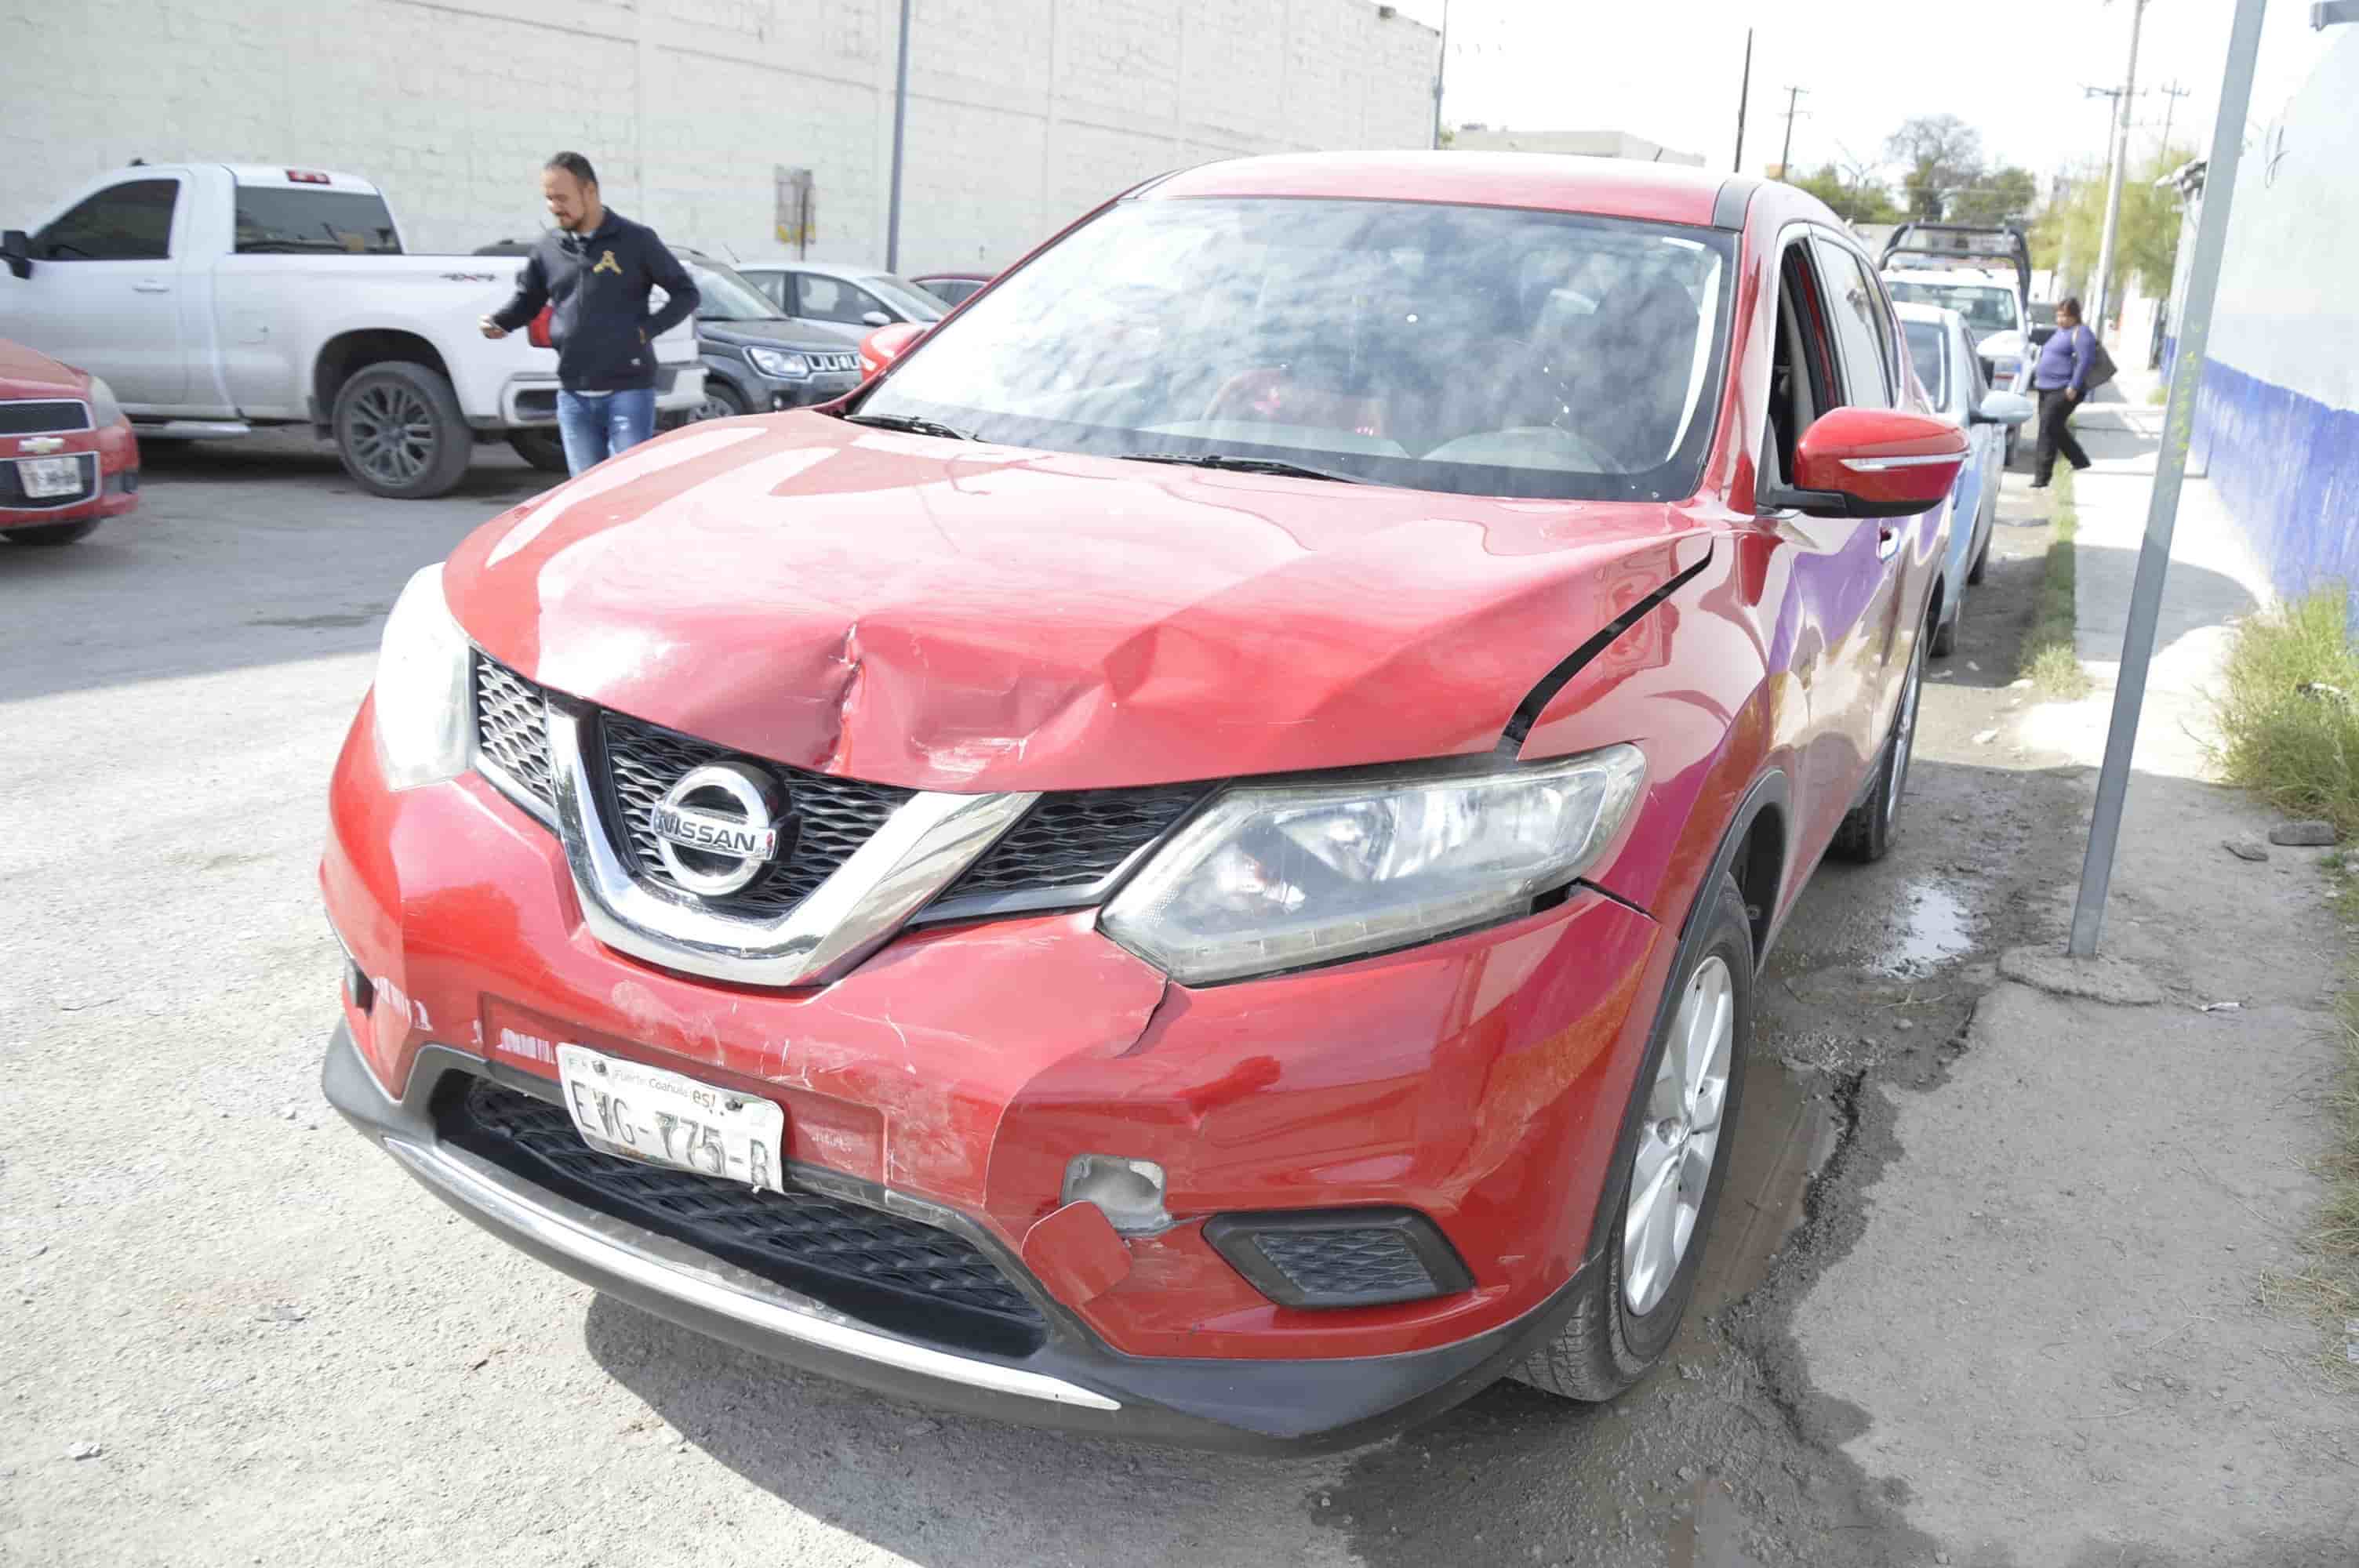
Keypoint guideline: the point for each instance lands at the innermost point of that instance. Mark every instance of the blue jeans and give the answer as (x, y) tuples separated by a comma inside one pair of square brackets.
[(595, 429)]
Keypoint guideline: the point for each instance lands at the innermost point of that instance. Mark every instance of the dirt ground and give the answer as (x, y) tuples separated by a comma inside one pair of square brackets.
[(271, 1345)]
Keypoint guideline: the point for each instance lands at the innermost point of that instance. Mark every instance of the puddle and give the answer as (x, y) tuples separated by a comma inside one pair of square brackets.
[(1935, 929), (1785, 1130)]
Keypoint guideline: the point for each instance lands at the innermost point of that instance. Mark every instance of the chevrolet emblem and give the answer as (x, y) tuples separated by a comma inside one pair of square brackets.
[(40, 446)]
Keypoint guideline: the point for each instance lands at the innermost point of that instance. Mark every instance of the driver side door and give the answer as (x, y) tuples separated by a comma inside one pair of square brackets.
[(104, 295)]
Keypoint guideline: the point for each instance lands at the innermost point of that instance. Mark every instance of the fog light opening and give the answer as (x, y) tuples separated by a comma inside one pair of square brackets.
[(1129, 1193)]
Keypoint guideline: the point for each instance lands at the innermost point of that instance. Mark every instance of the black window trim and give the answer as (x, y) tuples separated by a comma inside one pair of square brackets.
[(180, 184)]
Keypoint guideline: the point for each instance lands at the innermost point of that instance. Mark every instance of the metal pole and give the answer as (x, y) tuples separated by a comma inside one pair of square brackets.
[(901, 118), (1440, 64), (1786, 156), (2169, 471), (2121, 152), (1743, 87)]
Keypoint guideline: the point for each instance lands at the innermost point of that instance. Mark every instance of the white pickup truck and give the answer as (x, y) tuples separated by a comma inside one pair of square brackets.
[(217, 297)]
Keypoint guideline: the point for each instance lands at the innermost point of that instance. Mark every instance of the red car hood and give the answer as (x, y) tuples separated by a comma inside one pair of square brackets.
[(961, 617), (24, 373)]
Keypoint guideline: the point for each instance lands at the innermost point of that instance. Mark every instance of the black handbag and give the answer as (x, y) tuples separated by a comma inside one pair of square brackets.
[(2102, 368)]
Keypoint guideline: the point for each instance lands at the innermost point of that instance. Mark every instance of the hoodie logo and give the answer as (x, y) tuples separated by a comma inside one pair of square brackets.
[(607, 263)]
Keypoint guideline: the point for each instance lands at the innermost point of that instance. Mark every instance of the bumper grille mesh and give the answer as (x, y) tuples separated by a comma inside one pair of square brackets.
[(835, 815), (42, 417), (885, 1268), (1348, 1265), (512, 727), (1075, 839)]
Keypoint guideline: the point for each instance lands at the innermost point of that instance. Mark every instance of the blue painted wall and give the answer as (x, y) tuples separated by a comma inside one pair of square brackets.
[(2287, 467)]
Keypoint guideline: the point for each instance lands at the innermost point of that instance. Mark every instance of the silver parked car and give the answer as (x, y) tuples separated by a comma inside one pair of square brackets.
[(860, 298)]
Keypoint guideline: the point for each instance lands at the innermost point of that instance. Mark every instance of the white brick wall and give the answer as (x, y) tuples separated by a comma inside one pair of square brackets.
[(1022, 113)]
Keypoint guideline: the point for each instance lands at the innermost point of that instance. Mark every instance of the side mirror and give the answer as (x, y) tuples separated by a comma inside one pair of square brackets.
[(1871, 462), (886, 344), (2004, 408), (876, 319), (17, 251)]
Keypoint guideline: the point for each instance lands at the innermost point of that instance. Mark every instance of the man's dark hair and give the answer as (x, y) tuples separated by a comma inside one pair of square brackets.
[(575, 165), (2070, 302)]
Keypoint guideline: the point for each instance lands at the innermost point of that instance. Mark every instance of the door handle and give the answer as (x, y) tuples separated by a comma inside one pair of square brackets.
[(151, 285), (1887, 541)]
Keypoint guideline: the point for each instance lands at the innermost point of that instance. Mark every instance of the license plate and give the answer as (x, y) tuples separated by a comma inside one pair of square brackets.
[(660, 1118), (45, 479)]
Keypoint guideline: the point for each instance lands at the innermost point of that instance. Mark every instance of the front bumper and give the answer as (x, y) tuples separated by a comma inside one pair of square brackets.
[(111, 461), (1072, 1381), (808, 393)]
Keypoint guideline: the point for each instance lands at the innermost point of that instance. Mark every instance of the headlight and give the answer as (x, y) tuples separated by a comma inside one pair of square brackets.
[(421, 687), (103, 409), (1285, 876), (774, 361)]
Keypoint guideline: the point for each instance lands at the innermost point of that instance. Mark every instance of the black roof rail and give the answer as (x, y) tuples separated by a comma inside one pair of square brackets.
[(2017, 250)]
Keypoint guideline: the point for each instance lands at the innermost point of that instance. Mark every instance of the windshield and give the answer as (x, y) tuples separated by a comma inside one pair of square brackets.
[(724, 296), (905, 296), (1925, 352), (1987, 307), (1487, 351)]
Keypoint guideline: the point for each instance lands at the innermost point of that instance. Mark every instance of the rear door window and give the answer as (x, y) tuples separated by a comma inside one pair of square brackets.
[(1927, 341), (130, 221)]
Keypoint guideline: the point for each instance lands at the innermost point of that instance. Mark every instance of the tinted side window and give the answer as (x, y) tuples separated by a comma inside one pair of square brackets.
[(131, 222), (1862, 333), (1927, 343)]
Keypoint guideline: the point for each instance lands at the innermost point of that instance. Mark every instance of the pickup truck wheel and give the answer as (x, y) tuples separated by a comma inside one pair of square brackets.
[(542, 449), (51, 533), (400, 433)]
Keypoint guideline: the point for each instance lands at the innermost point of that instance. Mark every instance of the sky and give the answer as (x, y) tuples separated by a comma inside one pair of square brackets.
[(2012, 68)]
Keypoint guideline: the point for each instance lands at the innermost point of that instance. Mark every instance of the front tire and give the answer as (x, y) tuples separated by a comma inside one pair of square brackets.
[(47, 533), (400, 433), (1674, 1159), (1868, 827), (722, 401)]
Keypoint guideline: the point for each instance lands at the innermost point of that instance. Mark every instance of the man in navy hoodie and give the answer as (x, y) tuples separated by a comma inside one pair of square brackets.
[(597, 268), (2062, 379)]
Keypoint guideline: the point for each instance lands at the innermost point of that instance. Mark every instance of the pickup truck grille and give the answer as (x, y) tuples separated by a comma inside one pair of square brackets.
[(1067, 844)]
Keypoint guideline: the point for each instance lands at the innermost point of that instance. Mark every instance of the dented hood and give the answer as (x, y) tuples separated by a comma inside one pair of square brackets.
[(955, 616)]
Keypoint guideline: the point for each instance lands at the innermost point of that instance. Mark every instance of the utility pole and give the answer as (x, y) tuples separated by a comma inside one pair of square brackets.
[(901, 118), (2105, 290), (1785, 157), (2174, 93), (1743, 88), (2170, 473), (1440, 67)]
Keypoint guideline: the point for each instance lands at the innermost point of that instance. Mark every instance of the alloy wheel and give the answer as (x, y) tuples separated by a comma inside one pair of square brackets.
[(391, 433), (1673, 1168)]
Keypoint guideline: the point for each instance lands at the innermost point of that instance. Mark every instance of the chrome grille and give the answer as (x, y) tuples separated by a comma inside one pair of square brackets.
[(834, 817), (43, 417), (512, 727)]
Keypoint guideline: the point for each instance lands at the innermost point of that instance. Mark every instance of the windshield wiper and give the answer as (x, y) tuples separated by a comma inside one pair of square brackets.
[(1244, 465), (912, 424)]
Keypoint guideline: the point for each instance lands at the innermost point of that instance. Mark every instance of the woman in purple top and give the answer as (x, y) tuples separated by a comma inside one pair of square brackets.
[(2062, 378)]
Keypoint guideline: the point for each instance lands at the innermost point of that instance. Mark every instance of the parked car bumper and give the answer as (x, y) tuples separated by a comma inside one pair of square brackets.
[(1477, 1082), (807, 393), (110, 487), (531, 400)]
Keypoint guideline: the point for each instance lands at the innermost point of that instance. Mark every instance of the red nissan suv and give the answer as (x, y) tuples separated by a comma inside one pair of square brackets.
[(1190, 860)]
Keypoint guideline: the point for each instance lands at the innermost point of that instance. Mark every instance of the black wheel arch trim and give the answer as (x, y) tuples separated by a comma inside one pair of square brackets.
[(1770, 789)]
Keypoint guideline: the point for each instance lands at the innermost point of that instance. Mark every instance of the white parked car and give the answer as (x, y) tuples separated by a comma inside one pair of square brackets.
[(216, 297), (1984, 272), (1942, 351)]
